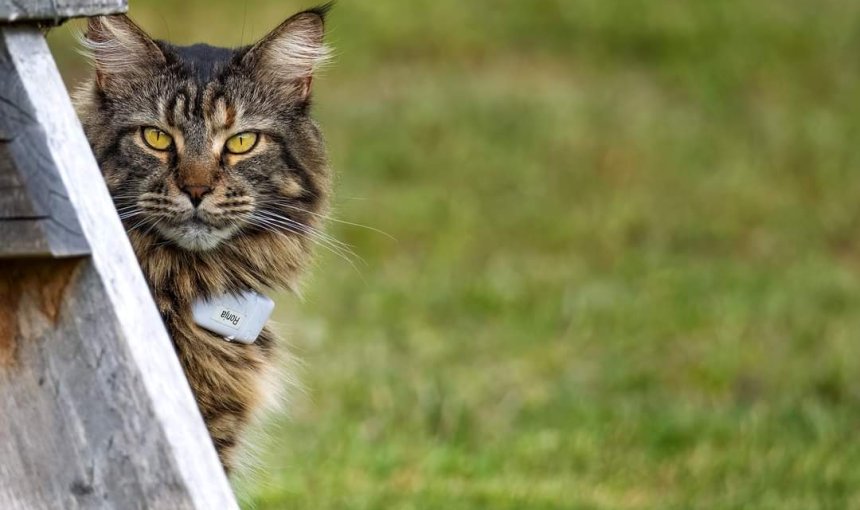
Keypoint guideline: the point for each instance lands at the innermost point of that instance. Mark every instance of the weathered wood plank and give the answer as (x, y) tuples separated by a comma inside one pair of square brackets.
[(57, 10), (95, 411), (30, 185), (15, 201), (23, 237), (72, 430)]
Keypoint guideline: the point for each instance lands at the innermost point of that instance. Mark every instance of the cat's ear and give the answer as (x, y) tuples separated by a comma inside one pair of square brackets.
[(121, 52), (291, 53)]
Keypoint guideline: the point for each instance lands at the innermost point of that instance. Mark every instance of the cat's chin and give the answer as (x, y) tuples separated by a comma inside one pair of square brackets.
[(197, 236)]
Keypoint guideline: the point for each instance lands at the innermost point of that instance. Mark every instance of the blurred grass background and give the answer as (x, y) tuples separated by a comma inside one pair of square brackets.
[(626, 272)]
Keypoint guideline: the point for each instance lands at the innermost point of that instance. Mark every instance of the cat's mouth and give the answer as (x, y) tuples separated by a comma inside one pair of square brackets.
[(197, 234), (197, 221)]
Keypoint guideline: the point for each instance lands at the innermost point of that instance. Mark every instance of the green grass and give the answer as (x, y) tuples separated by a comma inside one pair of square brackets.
[(626, 272)]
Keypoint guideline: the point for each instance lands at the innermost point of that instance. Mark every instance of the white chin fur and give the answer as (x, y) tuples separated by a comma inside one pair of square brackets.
[(196, 237)]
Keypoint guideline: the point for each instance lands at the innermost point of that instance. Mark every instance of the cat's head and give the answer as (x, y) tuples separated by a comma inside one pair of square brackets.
[(200, 145)]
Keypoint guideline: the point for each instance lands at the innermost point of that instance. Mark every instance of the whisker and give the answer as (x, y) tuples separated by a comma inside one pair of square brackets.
[(321, 236), (310, 228), (297, 228), (335, 220), (130, 214), (268, 225)]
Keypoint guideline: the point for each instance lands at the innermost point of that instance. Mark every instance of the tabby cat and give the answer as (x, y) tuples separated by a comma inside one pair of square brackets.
[(220, 177)]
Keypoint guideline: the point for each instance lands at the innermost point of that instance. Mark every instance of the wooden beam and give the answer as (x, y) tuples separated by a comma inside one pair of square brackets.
[(95, 411), (55, 11), (36, 216)]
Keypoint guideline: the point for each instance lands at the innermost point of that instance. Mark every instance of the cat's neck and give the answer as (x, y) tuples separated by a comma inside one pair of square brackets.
[(258, 262)]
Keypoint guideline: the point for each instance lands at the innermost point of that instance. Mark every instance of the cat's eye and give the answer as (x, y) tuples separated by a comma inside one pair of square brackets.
[(156, 138), (241, 143)]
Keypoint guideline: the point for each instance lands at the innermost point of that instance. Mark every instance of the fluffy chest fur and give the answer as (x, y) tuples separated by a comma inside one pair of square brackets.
[(232, 382)]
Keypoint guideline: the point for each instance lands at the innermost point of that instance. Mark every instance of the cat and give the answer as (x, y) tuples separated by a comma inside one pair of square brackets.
[(221, 179)]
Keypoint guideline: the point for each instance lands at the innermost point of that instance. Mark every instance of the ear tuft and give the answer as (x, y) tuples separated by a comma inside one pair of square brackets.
[(292, 52), (322, 10), (119, 49)]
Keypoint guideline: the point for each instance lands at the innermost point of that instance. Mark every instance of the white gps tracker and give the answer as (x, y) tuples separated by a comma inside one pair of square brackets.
[(236, 317)]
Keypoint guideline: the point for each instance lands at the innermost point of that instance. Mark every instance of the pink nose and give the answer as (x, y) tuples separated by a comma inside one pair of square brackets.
[(196, 193)]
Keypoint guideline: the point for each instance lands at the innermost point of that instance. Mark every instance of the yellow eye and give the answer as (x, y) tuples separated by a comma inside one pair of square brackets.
[(157, 139), (241, 143)]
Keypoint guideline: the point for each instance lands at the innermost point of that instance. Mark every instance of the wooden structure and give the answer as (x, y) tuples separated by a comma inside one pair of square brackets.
[(95, 411)]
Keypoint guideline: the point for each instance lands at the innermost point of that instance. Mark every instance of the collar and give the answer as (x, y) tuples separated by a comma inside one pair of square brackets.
[(237, 317)]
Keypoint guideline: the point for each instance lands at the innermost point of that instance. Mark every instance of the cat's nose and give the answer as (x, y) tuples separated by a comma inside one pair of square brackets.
[(196, 193)]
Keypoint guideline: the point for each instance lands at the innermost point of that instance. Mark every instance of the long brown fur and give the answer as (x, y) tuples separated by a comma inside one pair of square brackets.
[(256, 224)]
